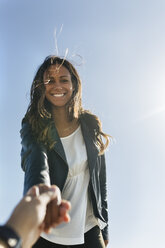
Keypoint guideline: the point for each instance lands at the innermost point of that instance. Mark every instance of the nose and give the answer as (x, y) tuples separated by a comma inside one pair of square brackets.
[(57, 87), (57, 84)]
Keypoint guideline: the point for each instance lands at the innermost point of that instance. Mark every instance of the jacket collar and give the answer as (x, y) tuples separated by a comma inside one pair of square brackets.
[(58, 147), (91, 147)]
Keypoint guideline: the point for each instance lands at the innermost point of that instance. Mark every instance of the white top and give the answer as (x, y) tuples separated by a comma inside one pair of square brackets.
[(76, 191)]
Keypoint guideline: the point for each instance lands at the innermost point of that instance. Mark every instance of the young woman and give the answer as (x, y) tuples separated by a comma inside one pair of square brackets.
[(62, 144)]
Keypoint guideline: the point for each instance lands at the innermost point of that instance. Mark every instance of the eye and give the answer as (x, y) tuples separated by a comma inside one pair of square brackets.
[(64, 80), (49, 81)]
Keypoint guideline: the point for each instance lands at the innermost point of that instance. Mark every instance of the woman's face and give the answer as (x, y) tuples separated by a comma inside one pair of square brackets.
[(58, 85)]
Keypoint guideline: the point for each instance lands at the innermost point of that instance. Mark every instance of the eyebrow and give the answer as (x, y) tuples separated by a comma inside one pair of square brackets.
[(64, 76), (50, 76)]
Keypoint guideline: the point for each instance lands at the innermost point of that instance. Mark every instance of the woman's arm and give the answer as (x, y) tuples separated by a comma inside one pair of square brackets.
[(34, 160)]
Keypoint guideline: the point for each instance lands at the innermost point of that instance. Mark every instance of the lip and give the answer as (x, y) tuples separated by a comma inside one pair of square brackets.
[(58, 95)]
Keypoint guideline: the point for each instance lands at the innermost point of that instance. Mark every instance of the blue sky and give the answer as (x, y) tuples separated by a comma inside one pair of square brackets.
[(122, 44)]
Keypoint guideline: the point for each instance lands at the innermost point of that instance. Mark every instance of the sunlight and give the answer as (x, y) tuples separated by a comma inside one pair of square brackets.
[(152, 113)]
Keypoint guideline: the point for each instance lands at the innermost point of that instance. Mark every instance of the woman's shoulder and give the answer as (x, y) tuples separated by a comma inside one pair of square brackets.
[(25, 128), (89, 119), (26, 134)]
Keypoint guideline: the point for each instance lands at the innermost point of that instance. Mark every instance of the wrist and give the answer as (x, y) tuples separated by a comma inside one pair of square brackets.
[(3, 244), (17, 225), (10, 237)]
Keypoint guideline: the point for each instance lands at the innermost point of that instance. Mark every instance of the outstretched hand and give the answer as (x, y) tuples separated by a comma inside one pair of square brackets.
[(40, 210)]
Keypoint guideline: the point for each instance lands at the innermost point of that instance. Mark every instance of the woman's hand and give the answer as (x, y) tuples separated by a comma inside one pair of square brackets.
[(57, 210), (40, 210), (106, 242)]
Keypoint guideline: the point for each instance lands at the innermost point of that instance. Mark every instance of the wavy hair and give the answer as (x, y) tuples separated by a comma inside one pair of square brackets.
[(39, 115)]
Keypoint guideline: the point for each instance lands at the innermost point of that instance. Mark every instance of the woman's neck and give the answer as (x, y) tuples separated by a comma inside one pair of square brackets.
[(63, 125)]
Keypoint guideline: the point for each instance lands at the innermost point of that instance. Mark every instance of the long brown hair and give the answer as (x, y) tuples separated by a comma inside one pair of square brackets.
[(39, 116)]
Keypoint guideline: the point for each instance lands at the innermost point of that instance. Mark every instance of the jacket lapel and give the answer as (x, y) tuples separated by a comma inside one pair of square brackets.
[(92, 150), (58, 147)]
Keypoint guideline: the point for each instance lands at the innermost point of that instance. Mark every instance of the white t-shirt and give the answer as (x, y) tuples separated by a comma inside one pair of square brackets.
[(76, 191)]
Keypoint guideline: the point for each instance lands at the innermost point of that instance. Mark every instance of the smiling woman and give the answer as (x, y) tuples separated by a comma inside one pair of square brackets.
[(58, 85), (62, 144)]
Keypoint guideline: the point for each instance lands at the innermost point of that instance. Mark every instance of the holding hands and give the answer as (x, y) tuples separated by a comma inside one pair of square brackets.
[(41, 209)]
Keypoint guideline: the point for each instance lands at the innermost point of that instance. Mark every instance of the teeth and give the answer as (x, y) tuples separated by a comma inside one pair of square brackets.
[(58, 95)]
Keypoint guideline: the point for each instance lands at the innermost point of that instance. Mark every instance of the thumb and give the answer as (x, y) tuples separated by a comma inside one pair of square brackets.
[(53, 193), (33, 191)]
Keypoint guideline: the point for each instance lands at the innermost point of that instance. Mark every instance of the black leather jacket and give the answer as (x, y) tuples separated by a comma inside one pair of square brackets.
[(50, 167)]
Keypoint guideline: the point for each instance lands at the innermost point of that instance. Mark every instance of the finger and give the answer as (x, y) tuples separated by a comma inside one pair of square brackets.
[(52, 213), (50, 194), (47, 220), (43, 188), (58, 193), (33, 191), (61, 219), (66, 204), (66, 218), (54, 209), (63, 213)]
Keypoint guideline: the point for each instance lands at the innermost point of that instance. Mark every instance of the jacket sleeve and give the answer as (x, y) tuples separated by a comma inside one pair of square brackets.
[(34, 160), (103, 186)]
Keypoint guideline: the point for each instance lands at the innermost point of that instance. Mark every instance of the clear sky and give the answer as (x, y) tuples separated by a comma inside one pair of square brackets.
[(122, 44)]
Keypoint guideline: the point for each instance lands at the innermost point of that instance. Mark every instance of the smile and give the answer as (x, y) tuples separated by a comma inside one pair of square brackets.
[(58, 95)]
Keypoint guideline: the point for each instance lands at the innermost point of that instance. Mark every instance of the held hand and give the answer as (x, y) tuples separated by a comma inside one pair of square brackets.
[(30, 217), (57, 211)]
